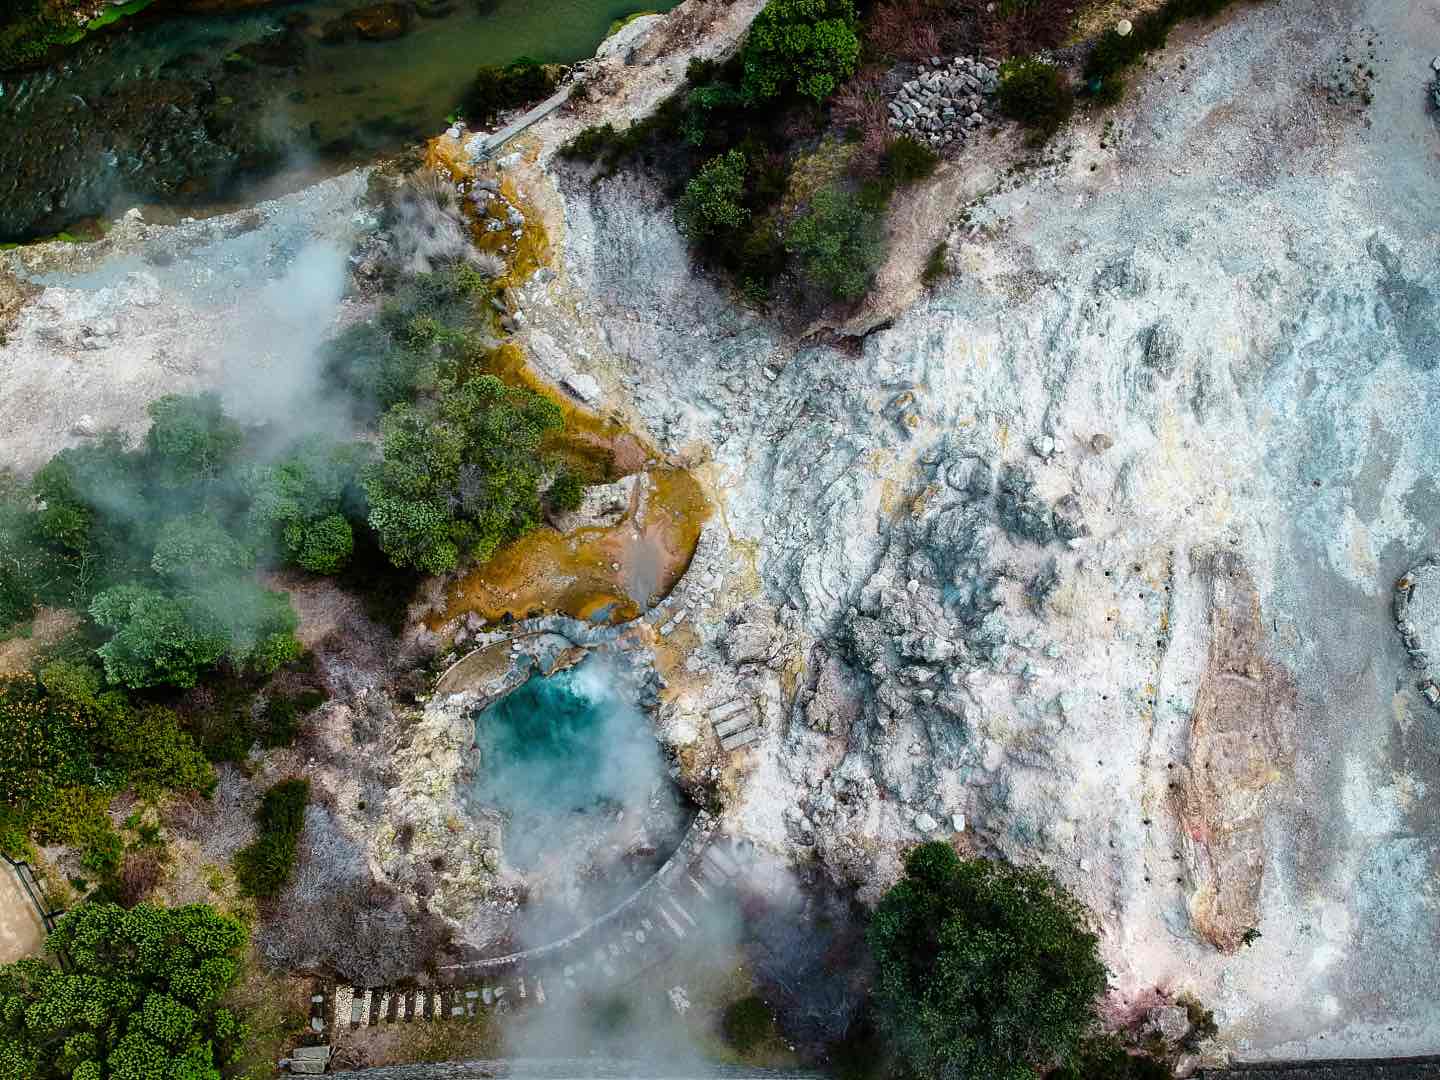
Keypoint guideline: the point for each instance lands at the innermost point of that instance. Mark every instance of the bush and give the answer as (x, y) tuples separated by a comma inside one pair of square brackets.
[(711, 203), (936, 265), (1104, 1057), (809, 46), (702, 104), (1036, 94), (567, 492), (983, 969), (263, 868), (908, 160), (497, 89), (140, 997), (747, 1023), (840, 242), (283, 713)]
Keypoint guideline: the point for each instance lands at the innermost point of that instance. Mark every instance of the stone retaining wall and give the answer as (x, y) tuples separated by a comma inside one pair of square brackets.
[(683, 601)]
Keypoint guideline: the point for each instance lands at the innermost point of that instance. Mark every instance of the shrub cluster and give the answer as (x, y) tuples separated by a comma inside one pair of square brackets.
[(805, 46), (839, 241), (1037, 94), (263, 868), (141, 997), (70, 747)]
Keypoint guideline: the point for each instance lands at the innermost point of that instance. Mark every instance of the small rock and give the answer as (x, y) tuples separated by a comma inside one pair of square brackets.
[(583, 386), (925, 823), (1123, 28), (957, 822), (1171, 1022), (85, 427), (1435, 64), (1101, 442)]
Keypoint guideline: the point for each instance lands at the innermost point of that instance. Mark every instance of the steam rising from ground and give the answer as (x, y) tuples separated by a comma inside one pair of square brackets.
[(272, 364), (571, 760)]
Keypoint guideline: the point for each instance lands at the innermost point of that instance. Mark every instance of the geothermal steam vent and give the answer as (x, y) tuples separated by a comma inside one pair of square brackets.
[(570, 761)]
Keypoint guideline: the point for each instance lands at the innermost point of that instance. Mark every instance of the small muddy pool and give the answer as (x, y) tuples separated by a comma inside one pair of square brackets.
[(590, 811), (204, 109)]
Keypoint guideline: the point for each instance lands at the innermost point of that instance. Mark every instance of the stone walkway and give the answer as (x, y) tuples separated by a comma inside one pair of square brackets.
[(612, 950)]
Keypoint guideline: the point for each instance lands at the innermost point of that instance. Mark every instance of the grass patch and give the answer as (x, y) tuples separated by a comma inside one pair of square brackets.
[(625, 20)]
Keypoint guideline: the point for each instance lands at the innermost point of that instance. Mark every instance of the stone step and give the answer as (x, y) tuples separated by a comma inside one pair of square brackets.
[(674, 903), (723, 862), (670, 922), (727, 709), (741, 738), (737, 723)]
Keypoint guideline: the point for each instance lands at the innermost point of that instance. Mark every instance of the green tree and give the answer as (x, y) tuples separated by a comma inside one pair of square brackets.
[(840, 242), (195, 547), (711, 203), (163, 640), (155, 640), (297, 504), (256, 624), (141, 1001), (460, 475), (808, 45), (984, 970), (191, 441)]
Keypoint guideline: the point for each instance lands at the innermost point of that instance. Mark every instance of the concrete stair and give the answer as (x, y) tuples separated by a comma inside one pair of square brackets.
[(735, 724), (668, 917)]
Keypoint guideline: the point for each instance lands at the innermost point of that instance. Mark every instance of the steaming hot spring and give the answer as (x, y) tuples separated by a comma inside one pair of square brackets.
[(570, 763)]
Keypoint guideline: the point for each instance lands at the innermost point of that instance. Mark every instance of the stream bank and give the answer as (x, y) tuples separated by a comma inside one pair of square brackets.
[(235, 108)]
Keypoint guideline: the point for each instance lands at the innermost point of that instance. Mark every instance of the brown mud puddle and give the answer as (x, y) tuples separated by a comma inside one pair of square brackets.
[(604, 573)]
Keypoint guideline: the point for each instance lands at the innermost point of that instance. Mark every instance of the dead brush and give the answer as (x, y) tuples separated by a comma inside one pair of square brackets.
[(905, 29), (862, 104), (428, 230), (1021, 27)]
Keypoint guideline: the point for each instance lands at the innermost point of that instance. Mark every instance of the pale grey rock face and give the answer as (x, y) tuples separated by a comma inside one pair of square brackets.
[(979, 535)]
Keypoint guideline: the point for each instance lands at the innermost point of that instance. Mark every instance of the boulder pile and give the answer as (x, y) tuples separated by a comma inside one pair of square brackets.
[(945, 102)]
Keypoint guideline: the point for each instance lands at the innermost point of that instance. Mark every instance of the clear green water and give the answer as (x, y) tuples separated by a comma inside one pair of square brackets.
[(570, 756), (208, 110)]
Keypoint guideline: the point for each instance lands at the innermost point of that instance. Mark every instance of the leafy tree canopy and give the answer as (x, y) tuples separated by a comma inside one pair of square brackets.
[(712, 200), (809, 46), (142, 1001), (459, 475), (191, 440), (985, 971), (840, 242)]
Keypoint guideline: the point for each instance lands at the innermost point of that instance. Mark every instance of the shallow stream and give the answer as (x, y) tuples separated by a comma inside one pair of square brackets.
[(208, 109)]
